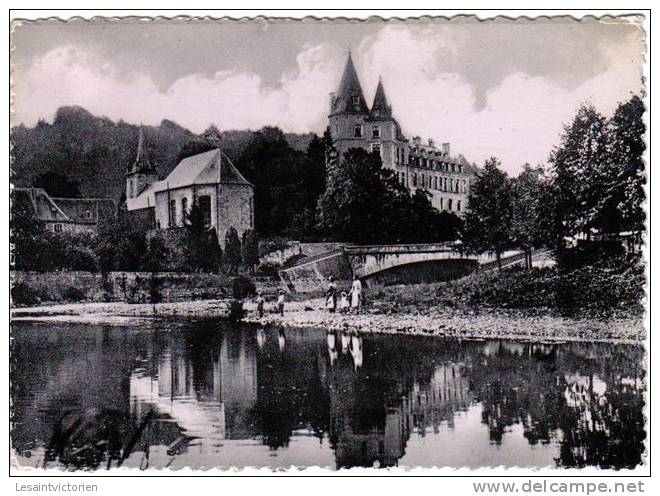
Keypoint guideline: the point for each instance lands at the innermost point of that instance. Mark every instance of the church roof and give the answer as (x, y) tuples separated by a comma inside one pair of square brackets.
[(212, 167), (350, 98), (381, 108)]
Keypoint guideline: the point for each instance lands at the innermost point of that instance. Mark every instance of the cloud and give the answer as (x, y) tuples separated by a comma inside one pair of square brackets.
[(521, 117), (441, 80), (231, 99)]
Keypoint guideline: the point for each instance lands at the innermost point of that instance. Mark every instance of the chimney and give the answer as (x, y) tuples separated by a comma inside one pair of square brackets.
[(431, 143), (445, 149)]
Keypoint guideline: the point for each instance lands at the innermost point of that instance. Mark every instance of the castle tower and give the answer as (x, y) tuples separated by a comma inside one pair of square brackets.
[(141, 173), (348, 111)]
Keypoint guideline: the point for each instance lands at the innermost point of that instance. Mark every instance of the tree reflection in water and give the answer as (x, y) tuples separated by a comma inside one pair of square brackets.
[(101, 397)]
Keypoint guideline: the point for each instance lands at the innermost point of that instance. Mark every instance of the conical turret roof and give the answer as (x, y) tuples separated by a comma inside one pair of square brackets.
[(350, 98), (381, 108)]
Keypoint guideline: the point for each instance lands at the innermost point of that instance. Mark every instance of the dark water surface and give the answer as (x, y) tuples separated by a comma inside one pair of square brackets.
[(202, 394)]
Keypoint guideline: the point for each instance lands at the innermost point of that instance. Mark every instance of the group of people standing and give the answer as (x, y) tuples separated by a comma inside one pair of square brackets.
[(344, 301), (261, 302)]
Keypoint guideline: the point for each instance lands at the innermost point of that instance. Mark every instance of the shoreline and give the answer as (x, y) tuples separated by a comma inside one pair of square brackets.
[(490, 324)]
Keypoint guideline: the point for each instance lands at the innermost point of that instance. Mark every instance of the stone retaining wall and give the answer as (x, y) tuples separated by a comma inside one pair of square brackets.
[(128, 286)]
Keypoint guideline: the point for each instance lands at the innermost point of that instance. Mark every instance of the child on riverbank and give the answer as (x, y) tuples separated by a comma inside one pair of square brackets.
[(260, 301), (344, 305), (280, 302)]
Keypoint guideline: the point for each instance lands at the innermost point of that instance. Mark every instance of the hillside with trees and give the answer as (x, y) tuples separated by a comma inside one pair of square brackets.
[(87, 155)]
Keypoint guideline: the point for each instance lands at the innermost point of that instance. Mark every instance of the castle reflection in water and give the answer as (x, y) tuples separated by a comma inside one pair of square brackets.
[(207, 395)]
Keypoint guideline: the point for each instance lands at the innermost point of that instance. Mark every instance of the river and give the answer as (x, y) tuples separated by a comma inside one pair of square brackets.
[(205, 394)]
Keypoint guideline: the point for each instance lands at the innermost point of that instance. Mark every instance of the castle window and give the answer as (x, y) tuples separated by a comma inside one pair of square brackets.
[(442, 206), (375, 132), (375, 147), (449, 204), (414, 178), (88, 214), (356, 101), (57, 227), (458, 205), (444, 184), (358, 131), (435, 182), (184, 210), (172, 213)]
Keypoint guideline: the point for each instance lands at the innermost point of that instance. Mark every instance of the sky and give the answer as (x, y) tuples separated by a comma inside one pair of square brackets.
[(501, 88)]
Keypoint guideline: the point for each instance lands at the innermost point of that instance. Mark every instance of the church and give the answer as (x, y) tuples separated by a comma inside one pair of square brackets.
[(418, 165), (209, 179)]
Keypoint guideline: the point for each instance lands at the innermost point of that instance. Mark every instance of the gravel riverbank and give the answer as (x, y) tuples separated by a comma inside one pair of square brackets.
[(500, 324)]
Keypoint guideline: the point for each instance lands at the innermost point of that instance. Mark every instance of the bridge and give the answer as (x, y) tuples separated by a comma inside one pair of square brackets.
[(403, 263)]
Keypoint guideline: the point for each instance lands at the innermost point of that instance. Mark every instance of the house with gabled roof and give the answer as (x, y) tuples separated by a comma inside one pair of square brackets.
[(209, 179), (64, 214)]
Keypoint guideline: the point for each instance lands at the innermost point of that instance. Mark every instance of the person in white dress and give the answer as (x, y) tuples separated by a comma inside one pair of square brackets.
[(356, 293)]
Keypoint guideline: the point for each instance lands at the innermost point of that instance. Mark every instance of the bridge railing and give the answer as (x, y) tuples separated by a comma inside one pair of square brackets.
[(403, 248)]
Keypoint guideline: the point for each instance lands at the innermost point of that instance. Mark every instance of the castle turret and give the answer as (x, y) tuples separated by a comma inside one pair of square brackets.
[(349, 111), (349, 98), (380, 109), (141, 173)]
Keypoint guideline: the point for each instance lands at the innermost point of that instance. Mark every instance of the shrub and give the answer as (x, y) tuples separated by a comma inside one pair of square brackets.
[(236, 311), (589, 253), (268, 269), (271, 245), (24, 294), (242, 287), (73, 293), (291, 261)]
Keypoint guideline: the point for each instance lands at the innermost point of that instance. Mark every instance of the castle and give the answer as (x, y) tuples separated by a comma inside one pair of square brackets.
[(418, 165), (209, 179)]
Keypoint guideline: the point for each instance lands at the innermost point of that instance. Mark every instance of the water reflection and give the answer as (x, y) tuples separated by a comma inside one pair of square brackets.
[(203, 395)]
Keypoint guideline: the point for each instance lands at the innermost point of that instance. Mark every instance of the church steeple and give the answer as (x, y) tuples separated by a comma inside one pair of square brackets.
[(380, 108), (141, 163), (349, 98), (141, 173)]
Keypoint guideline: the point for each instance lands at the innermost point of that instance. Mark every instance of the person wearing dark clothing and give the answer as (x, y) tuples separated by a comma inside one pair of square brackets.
[(331, 295)]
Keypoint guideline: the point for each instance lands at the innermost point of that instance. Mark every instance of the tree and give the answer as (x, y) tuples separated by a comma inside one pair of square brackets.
[(250, 250), (57, 185), (581, 173), (121, 243), (157, 253), (427, 224), (232, 254), (531, 222), (287, 182), (627, 144), (202, 250), (488, 221), (28, 238)]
